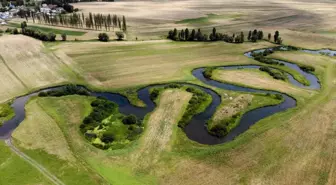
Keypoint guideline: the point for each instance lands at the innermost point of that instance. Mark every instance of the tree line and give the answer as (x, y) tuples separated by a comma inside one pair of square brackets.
[(77, 20), (187, 35)]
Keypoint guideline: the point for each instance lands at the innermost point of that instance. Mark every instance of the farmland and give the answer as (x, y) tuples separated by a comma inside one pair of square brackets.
[(291, 146)]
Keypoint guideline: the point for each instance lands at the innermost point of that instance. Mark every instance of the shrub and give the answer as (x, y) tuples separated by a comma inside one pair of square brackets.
[(308, 69), (154, 94), (208, 72), (173, 86), (120, 35), (64, 37), (15, 31), (129, 120), (51, 37), (9, 30), (108, 137), (66, 90), (275, 74), (103, 37), (1, 31)]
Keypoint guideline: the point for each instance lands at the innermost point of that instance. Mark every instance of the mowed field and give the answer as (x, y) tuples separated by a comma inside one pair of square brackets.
[(27, 65), (127, 64)]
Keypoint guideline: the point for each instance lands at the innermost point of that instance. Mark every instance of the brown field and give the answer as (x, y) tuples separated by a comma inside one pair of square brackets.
[(257, 79)]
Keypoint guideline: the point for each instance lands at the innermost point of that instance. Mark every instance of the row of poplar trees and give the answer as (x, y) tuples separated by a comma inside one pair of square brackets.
[(77, 20)]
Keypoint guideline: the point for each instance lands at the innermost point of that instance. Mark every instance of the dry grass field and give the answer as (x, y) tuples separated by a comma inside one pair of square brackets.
[(127, 64), (150, 19), (258, 79), (26, 65)]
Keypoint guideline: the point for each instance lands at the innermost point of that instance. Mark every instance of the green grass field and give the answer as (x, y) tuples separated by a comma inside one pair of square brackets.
[(47, 29)]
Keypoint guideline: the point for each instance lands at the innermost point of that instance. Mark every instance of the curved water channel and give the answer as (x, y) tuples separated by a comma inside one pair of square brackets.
[(196, 129)]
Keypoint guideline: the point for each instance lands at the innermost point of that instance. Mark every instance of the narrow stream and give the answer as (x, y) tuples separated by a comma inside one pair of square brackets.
[(196, 130)]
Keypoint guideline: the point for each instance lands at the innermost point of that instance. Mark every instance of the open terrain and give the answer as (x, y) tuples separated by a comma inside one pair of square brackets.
[(28, 65), (296, 146), (127, 64), (257, 79), (152, 19)]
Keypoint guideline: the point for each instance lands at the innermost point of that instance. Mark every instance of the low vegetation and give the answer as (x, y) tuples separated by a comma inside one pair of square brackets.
[(106, 128), (6, 112), (228, 116), (276, 74), (66, 90), (208, 72), (49, 29), (306, 68), (103, 37)]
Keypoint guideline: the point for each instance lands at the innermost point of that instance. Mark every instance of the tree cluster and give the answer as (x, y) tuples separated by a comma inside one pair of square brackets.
[(43, 36), (275, 74), (277, 38), (193, 35), (66, 90), (255, 35)]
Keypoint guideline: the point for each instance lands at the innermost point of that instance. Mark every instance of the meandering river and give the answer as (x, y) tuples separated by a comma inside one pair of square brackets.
[(196, 129)]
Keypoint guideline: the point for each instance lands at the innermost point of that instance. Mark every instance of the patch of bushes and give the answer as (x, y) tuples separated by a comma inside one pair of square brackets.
[(102, 108), (37, 34), (154, 94), (103, 37), (8, 30), (198, 98), (274, 73), (308, 69), (222, 128), (275, 96), (130, 120), (66, 90), (173, 86), (120, 35), (64, 37), (208, 72), (114, 128)]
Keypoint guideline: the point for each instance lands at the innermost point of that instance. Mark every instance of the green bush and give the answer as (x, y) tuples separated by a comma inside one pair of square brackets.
[(64, 37), (108, 137), (103, 37), (154, 94), (15, 31), (130, 120), (208, 72), (307, 69), (120, 35), (198, 98), (66, 90), (275, 74)]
